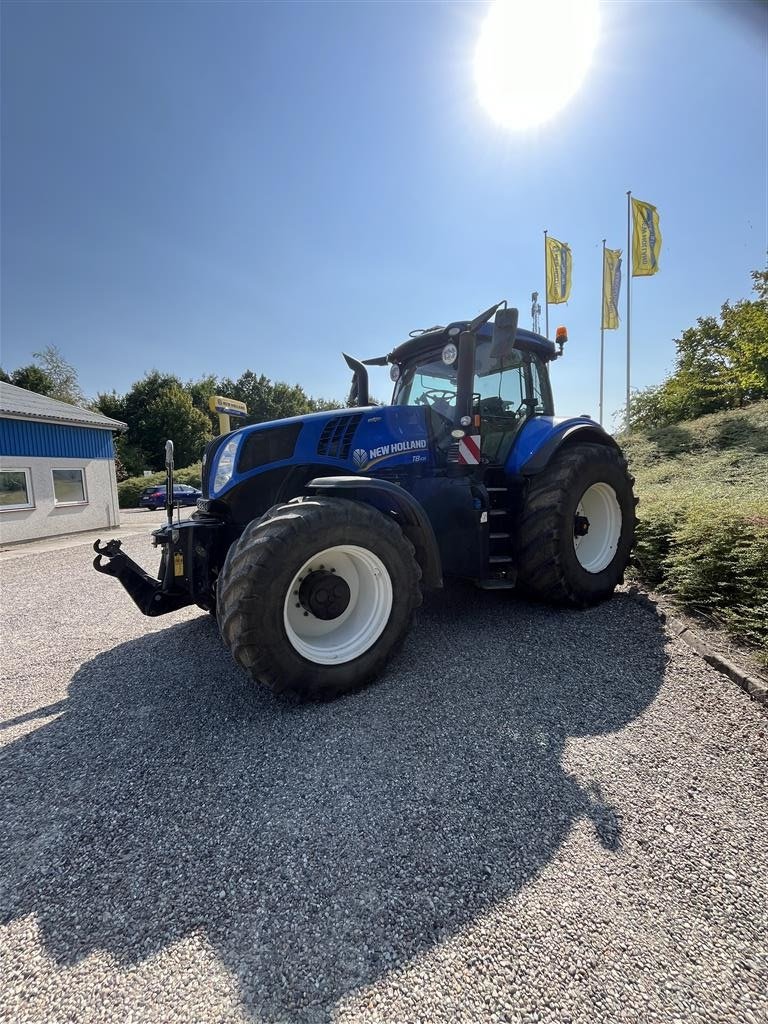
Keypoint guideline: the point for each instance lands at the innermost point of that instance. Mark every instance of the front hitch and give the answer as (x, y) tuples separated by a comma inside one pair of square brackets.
[(146, 592)]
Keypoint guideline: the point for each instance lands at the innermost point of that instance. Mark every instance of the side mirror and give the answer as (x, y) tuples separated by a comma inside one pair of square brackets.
[(504, 331)]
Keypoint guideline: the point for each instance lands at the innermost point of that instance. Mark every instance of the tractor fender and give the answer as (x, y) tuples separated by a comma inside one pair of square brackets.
[(387, 497), (563, 433)]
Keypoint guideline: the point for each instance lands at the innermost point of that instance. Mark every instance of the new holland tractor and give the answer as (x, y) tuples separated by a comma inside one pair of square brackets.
[(316, 535)]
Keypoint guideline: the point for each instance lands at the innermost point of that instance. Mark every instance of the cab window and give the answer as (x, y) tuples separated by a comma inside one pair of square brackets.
[(539, 389), (431, 384), (499, 389)]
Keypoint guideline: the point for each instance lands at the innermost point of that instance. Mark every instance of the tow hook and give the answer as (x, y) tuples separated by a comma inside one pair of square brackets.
[(146, 592), (109, 550), (580, 526)]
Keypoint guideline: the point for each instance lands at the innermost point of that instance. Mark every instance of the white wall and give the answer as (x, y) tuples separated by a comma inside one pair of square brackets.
[(49, 520)]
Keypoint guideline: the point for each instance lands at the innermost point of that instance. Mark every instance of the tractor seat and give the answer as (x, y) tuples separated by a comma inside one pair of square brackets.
[(493, 407)]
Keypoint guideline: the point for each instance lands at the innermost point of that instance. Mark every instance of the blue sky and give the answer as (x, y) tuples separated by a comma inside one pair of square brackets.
[(210, 187)]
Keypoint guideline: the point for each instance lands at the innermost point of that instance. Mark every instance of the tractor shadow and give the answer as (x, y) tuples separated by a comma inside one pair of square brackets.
[(315, 846)]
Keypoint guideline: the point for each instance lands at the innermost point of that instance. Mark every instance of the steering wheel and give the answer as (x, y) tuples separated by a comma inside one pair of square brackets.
[(432, 395)]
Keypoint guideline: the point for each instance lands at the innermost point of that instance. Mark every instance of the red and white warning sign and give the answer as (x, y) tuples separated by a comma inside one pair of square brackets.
[(469, 450)]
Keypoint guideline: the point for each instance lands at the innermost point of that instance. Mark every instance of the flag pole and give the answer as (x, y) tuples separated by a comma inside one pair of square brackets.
[(602, 337), (546, 291), (629, 295)]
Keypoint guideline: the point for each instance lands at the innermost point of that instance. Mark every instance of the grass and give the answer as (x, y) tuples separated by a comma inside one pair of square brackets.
[(703, 517)]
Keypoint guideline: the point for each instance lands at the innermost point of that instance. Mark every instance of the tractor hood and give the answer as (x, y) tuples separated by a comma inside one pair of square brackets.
[(349, 440)]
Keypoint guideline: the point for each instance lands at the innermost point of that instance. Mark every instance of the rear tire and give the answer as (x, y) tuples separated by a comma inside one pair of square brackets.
[(585, 485), (316, 595)]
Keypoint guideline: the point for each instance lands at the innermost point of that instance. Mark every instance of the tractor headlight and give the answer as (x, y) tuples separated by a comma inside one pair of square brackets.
[(224, 465)]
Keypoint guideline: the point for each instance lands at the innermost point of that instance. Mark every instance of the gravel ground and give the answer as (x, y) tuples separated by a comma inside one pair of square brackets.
[(535, 816)]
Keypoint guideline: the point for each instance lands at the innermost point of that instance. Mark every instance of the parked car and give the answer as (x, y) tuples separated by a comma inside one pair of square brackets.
[(154, 497)]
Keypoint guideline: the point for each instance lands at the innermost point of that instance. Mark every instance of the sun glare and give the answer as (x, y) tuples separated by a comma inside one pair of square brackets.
[(532, 56)]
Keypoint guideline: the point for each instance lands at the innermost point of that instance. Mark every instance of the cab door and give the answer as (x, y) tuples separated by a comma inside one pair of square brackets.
[(500, 400)]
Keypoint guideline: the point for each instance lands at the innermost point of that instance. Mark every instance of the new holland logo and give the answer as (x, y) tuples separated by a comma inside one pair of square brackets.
[(397, 448), (366, 459)]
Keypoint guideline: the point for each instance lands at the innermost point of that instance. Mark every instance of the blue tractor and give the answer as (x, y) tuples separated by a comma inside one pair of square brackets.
[(316, 536)]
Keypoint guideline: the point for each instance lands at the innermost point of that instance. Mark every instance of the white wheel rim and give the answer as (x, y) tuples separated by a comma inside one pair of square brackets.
[(600, 506), (356, 630)]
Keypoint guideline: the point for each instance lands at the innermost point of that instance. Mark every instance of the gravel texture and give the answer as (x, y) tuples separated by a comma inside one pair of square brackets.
[(536, 815)]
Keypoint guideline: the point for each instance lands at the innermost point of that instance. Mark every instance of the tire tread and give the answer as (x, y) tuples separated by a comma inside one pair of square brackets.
[(540, 563), (245, 587)]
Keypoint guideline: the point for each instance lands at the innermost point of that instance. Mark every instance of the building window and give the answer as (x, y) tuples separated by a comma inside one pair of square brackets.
[(15, 490), (69, 487)]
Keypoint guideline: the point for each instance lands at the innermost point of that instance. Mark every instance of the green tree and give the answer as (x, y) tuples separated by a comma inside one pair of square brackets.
[(746, 327), (648, 408), (110, 404), (270, 401), (721, 363), (129, 460), (157, 408), (133, 459), (33, 378), (760, 284), (327, 404), (200, 391), (49, 375), (66, 386), (172, 415), (702, 381)]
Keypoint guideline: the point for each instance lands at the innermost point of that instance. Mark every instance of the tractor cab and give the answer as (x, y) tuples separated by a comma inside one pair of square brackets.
[(507, 384)]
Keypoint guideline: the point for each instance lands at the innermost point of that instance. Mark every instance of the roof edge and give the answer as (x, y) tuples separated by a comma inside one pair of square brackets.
[(106, 423), (22, 404)]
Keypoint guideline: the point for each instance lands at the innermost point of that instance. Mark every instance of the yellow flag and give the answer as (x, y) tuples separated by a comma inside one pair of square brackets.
[(646, 239), (611, 288), (559, 271)]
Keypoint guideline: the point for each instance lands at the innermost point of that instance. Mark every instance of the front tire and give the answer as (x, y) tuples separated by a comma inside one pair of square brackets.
[(316, 595), (577, 528)]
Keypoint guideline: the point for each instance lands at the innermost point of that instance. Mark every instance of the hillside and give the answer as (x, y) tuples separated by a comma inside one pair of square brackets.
[(703, 517)]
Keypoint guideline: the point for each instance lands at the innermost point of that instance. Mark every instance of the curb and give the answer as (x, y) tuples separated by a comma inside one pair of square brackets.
[(757, 689)]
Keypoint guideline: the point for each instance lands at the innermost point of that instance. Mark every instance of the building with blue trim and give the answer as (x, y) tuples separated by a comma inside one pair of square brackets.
[(57, 467)]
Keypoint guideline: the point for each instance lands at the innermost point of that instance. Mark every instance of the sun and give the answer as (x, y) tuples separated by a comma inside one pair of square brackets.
[(532, 56)]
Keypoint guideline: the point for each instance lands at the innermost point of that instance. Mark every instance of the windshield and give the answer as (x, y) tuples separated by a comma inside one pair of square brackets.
[(501, 385), (430, 383)]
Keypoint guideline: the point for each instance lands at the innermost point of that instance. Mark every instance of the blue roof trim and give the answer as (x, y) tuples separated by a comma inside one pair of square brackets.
[(28, 439), (435, 338)]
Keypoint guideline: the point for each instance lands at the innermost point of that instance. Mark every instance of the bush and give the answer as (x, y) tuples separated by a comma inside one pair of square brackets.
[(717, 565), (712, 558), (703, 517), (129, 491), (655, 529)]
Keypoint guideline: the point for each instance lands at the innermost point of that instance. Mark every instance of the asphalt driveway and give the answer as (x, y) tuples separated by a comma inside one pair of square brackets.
[(536, 815)]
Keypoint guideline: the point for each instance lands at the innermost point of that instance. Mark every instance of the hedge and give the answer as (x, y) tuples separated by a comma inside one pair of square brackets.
[(129, 491), (703, 518), (711, 555)]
